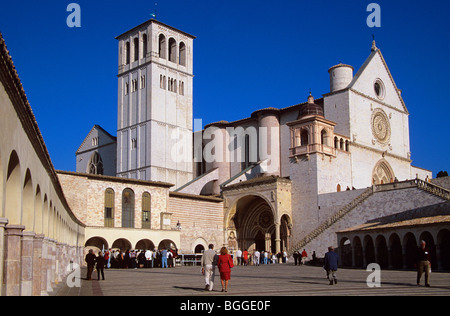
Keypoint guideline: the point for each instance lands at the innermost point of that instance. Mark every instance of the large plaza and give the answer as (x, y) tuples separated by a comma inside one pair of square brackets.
[(250, 281)]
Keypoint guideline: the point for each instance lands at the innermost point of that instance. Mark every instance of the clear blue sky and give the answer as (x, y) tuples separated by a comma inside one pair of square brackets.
[(248, 55)]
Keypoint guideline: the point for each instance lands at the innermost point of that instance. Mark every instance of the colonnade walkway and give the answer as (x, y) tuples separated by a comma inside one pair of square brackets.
[(270, 280)]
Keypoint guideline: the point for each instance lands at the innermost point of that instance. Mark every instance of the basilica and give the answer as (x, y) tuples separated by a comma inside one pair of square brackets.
[(335, 170)]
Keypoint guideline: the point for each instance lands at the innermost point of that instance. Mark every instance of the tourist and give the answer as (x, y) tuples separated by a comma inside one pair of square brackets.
[(148, 258), (274, 258), (164, 258), (245, 257), (239, 257), (126, 260), (209, 262), (133, 259), (257, 256), (90, 260), (423, 263), (331, 262), (141, 259), (296, 257), (304, 256), (101, 262), (225, 264)]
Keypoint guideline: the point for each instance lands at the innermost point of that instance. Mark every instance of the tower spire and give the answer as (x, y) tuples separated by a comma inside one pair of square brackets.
[(374, 46)]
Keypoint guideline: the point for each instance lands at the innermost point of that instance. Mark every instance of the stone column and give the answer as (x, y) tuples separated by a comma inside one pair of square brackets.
[(12, 268), (277, 238), (37, 264), (44, 266), (3, 223), (27, 263)]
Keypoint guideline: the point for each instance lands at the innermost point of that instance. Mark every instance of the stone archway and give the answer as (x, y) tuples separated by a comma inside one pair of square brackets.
[(254, 224), (382, 173)]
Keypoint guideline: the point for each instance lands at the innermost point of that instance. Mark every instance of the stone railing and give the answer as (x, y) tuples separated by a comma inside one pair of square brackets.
[(333, 219), (433, 189), (414, 183)]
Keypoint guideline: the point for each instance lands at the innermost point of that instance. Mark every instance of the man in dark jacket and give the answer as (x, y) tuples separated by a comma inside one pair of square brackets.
[(331, 262), (101, 262), (90, 260), (423, 263)]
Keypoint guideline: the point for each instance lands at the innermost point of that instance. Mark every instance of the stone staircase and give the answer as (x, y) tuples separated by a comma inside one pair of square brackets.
[(422, 185)]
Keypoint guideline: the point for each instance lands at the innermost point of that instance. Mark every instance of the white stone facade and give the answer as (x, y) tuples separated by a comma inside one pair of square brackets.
[(154, 135)]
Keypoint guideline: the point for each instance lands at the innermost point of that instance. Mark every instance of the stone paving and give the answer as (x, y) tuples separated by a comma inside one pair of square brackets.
[(270, 280)]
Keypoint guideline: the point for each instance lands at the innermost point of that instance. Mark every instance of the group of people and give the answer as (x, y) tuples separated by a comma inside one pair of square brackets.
[(224, 261), (130, 259), (256, 258), (133, 259)]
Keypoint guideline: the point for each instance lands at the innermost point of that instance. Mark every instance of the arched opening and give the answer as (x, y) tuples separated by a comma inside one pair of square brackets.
[(345, 249), (146, 210), (382, 252), (172, 50), (254, 224), (444, 247), (395, 251), (128, 208), (97, 244), (369, 250), (109, 207), (162, 46), (145, 244), (95, 165), (28, 203), (199, 249), (260, 241), (167, 244), (304, 136), (410, 245), (336, 143), (127, 53), (182, 54), (358, 249), (144, 45), (382, 173), (121, 244), (136, 48), (324, 137), (13, 192), (38, 211)]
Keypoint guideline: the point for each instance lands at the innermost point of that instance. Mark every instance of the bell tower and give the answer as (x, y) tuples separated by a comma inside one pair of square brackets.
[(155, 112)]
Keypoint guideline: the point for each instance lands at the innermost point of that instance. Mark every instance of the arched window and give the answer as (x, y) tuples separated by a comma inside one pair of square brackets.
[(162, 46), (127, 53), (336, 143), (182, 54), (96, 164), (146, 210), (304, 138), (172, 50), (144, 45), (136, 49), (109, 208), (324, 137), (128, 208)]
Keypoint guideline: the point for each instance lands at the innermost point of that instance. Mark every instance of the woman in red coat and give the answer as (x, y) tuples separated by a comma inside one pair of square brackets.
[(225, 263)]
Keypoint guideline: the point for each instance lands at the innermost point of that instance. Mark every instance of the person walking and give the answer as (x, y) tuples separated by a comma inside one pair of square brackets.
[(304, 256), (225, 264), (423, 263), (101, 262), (331, 262), (209, 262), (90, 260)]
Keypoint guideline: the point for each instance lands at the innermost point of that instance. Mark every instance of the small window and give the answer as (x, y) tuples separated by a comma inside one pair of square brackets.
[(142, 82), (134, 143), (146, 210), (378, 87)]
